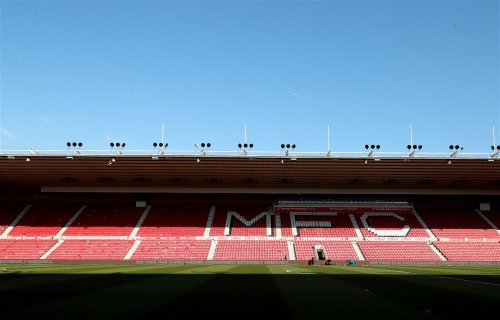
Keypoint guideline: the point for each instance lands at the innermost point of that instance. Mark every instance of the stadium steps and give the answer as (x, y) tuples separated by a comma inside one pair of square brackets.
[(210, 220), (291, 250), (438, 252), (269, 226), (277, 221), (70, 221), (426, 227), (52, 249), (356, 227), (358, 251), (15, 222), (211, 251), (134, 247), (145, 213), (488, 221)]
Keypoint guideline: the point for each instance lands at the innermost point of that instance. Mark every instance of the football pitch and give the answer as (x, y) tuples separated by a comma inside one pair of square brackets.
[(248, 291)]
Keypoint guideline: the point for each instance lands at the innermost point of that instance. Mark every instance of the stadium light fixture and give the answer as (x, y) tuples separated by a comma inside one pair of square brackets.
[(412, 149), (204, 147), (496, 151), (244, 147), (372, 148), (454, 149), (117, 146), (287, 148), (74, 146), (161, 147)]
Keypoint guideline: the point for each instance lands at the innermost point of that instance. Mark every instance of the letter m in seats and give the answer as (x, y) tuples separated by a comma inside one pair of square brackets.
[(248, 223)]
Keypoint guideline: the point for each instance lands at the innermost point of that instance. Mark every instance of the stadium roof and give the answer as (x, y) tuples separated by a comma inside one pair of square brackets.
[(280, 175)]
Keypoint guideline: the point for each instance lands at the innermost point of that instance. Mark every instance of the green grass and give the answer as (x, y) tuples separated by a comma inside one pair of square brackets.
[(248, 291)]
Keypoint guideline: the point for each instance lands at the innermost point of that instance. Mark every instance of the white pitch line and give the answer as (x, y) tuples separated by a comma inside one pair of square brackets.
[(473, 281), (441, 277)]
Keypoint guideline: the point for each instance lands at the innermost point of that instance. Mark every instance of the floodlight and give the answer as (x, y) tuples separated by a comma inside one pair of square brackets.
[(282, 146), (251, 145), (366, 146), (408, 147), (123, 145), (493, 148), (288, 146), (80, 144), (451, 147), (239, 145), (118, 144), (209, 145), (457, 147), (74, 144), (498, 147), (420, 147), (155, 144), (378, 146), (415, 146), (203, 144), (372, 146), (245, 145), (111, 144), (69, 144), (166, 145), (161, 144), (293, 146)]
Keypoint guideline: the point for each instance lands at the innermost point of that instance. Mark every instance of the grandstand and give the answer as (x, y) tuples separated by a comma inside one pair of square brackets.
[(58, 209), (121, 232)]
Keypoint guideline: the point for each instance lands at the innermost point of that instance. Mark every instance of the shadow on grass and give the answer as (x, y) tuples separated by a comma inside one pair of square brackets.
[(252, 296)]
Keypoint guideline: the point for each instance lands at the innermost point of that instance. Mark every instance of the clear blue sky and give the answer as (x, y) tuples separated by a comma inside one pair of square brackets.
[(95, 71)]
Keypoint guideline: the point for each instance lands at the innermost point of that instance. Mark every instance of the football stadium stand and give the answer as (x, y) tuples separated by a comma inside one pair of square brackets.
[(237, 232)]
